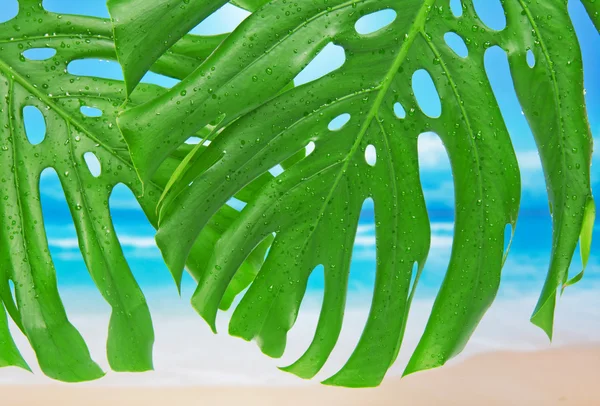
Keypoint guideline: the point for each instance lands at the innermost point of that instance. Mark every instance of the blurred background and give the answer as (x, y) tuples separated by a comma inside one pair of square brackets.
[(186, 351)]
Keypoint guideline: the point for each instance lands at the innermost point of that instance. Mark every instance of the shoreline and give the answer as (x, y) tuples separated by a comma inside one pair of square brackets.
[(559, 376)]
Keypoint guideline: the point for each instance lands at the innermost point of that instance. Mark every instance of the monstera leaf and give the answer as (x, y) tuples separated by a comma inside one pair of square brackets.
[(313, 207), (25, 259)]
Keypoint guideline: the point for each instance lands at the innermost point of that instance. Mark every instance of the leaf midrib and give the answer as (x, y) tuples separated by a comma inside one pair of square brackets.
[(15, 76), (6, 68), (25, 244), (416, 28)]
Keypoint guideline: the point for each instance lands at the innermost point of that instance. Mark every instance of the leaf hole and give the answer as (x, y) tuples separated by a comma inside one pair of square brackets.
[(276, 170), (457, 44), (456, 7), (310, 147), (491, 13), (530, 58), (374, 22), (98, 68), (339, 122), (90, 111), (35, 124), (426, 93), (330, 58), (85, 8), (193, 140), (93, 163), (10, 9), (371, 155), (432, 153), (236, 204), (160, 80), (39, 54), (435, 173), (399, 110)]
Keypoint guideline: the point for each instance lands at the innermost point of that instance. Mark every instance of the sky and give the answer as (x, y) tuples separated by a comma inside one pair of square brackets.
[(532, 243)]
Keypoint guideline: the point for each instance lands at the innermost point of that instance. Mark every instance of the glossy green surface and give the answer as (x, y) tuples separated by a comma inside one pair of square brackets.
[(145, 30), (25, 259), (313, 207)]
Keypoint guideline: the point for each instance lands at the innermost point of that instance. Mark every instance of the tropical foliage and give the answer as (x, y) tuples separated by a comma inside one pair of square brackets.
[(45, 83), (237, 93)]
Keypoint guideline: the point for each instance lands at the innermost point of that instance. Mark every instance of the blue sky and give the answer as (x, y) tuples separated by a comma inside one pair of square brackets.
[(531, 247)]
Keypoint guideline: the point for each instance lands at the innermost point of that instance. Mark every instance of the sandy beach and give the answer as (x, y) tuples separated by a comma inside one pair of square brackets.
[(563, 376)]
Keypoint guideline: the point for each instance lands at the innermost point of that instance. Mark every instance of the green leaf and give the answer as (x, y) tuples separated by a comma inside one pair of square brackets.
[(24, 255), (9, 353), (313, 206), (557, 116), (145, 30)]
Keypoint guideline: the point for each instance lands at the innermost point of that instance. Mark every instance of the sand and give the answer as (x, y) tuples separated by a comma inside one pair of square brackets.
[(563, 376)]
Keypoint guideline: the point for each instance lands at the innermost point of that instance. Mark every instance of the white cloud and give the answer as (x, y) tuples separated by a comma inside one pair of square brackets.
[(432, 154), (529, 160), (441, 237)]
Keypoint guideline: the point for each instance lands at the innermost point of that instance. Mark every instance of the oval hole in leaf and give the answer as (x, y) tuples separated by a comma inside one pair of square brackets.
[(10, 9), (330, 58), (92, 163), (339, 122), (193, 140), (371, 154), (160, 80), (35, 124), (491, 13), (85, 8), (236, 204), (426, 93), (375, 21), (39, 54), (435, 173), (310, 147), (457, 44), (399, 110), (432, 153), (456, 7), (90, 111), (96, 68), (530, 58), (276, 170)]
